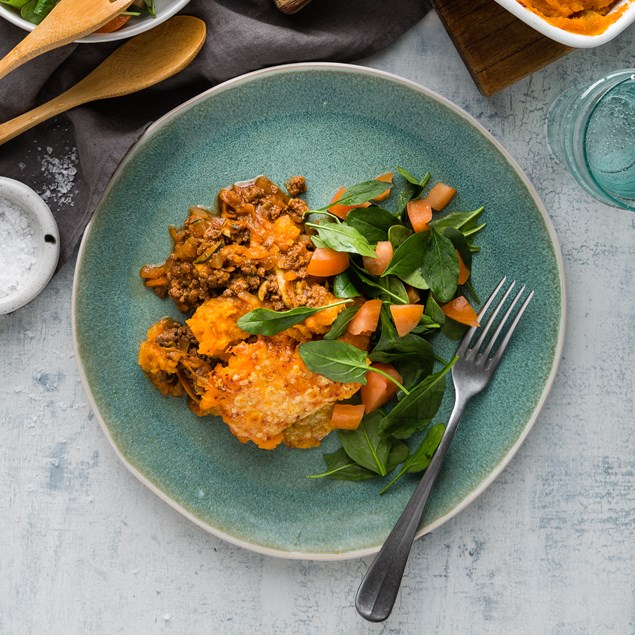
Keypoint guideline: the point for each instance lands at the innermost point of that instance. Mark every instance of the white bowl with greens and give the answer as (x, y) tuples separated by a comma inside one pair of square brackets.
[(145, 14)]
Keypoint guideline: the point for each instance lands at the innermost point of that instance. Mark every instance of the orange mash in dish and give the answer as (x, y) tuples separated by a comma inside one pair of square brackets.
[(586, 17)]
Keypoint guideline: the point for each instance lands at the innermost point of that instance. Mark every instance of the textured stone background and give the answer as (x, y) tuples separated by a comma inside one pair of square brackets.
[(549, 548)]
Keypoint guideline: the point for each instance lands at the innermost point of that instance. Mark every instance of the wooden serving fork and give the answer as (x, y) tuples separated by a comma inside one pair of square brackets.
[(68, 21)]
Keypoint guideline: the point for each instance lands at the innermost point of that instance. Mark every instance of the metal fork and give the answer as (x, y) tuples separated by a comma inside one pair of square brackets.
[(471, 373)]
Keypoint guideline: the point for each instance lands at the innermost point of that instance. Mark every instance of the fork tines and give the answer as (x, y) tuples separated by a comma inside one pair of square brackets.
[(501, 333)]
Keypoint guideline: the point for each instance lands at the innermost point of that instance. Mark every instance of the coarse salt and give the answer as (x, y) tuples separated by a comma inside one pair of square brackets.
[(17, 247)]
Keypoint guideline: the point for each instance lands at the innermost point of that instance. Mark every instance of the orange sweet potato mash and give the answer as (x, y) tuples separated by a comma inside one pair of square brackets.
[(586, 17), (253, 254)]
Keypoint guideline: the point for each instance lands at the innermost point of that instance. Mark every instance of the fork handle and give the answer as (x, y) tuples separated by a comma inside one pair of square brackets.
[(379, 588)]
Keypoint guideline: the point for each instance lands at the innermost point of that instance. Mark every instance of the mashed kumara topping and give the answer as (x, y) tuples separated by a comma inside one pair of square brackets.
[(587, 17)]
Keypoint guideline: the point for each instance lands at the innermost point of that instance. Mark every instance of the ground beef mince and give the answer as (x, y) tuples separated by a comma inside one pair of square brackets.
[(296, 185), (256, 244)]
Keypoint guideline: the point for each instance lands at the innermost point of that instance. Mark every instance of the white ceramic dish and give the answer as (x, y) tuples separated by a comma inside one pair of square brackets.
[(567, 38), (47, 239), (165, 9)]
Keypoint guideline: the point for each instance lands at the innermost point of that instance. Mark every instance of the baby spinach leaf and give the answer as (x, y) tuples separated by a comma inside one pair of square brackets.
[(414, 411), (313, 215), (398, 455), (410, 178), (343, 287), (412, 189), (426, 325), (393, 290), (342, 237), (341, 467), (472, 292), (377, 288), (470, 233), (407, 261), (463, 221), (335, 360), (419, 460), (411, 347), (341, 362), (454, 330), (433, 310), (412, 371), (372, 222), (391, 346), (421, 457), (440, 265), (267, 322), (398, 234), (460, 244), (338, 327), (365, 446), (361, 193)]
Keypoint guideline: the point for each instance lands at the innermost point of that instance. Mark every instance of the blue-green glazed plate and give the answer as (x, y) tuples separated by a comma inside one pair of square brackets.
[(336, 125)]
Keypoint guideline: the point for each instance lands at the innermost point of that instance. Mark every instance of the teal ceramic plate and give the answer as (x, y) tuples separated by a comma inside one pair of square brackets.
[(335, 124)]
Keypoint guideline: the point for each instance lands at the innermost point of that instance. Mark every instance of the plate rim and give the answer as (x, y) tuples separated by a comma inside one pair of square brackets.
[(505, 460)]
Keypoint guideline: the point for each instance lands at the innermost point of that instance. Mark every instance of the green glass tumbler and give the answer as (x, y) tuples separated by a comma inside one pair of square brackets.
[(591, 130)]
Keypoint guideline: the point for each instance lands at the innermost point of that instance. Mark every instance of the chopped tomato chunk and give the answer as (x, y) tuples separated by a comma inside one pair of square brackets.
[(346, 416), (366, 319), (379, 389), (361, 341), (378, 265), (406, 317), (384, 178), (327, 262), (439, 196), (420, 214), (464, 272), (461, 311), (413, 294), (342, 210)]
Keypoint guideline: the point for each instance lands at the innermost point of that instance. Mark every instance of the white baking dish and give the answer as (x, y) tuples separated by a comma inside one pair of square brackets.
[(566, 37)]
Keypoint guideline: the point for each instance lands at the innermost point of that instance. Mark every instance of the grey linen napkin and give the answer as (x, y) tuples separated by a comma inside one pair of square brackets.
[(243, 35)]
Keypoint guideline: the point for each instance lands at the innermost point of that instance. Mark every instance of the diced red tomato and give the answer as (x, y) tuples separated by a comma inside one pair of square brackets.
[(378, 390), (384, 178), (406, 317), (464, 272), (378, 265), (420, 214), (347, 416), (413, 294), (327, 262), (439, 196), (342, 210), (461, 311), (361, 341), (366, 319)]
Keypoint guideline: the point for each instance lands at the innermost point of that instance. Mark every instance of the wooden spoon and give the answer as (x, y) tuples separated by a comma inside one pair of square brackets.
[(141, 62), (291, 6), (69, 20)]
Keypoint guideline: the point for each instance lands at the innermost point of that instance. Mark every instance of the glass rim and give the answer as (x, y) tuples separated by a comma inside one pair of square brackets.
[(618, 200)]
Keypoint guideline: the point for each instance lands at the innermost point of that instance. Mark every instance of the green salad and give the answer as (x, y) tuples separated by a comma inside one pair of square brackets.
[(35, 11), (404, 275)]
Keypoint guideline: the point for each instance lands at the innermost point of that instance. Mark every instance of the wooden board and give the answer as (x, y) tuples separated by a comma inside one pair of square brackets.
[(497, 48)]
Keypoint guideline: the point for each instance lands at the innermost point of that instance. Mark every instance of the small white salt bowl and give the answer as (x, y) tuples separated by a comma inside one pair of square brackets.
[(46, 237)]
